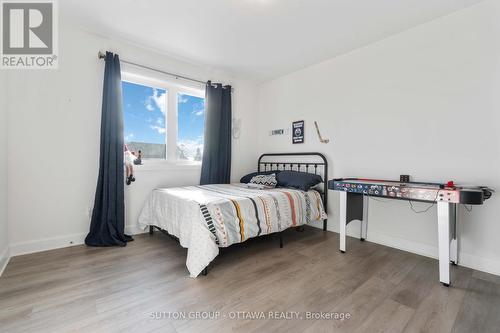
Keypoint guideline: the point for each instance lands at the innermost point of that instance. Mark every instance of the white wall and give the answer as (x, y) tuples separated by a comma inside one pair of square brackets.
[(425, 102), (4, 248), (54, 119)]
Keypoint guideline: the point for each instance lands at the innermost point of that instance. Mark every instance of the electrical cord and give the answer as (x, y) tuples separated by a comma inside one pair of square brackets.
[(466, 208), (410, 202), (379, 200), (426, 209), (420, 211)]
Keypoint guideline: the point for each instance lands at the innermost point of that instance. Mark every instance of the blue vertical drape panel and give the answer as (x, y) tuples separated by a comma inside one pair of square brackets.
[(216, 164), (108, 216)]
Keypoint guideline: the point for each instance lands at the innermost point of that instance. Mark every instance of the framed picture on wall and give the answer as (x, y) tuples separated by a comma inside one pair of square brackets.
[(298, 132)]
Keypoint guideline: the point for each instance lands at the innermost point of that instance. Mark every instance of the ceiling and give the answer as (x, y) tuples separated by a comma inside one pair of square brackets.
[(255, 39)]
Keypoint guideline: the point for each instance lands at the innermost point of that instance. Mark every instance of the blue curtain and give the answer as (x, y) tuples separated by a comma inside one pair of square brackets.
[(108, 217), (216, 164)]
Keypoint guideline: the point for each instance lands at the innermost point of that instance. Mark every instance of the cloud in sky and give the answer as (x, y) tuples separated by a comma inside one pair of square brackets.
[(181, 99), (199, 112), (158, 99), (129, 137), (159, 129), (189, 147)]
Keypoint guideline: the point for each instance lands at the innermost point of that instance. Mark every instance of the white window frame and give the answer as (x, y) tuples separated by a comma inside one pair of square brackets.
[(137, 75)]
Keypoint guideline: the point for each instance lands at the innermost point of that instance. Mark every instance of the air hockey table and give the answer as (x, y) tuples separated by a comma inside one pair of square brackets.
[(355, 192)]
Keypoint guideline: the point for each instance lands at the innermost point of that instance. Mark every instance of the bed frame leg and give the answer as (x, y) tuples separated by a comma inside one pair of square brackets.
[(281, 241), (204, 272), (151, 230)]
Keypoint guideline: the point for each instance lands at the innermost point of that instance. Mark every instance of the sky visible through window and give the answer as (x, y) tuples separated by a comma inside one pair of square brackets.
[(191, 119), (144, 119), (144, 113)]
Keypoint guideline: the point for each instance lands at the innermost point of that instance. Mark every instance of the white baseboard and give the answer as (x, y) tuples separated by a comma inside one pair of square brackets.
[(4, 259), (17, 249), (59, 242), (465, 259), (479, 264), (134, 230), (422, 249)]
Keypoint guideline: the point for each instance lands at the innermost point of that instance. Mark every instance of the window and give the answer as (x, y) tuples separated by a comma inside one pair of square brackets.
[(163, 120), (144, 119), (191, 122)]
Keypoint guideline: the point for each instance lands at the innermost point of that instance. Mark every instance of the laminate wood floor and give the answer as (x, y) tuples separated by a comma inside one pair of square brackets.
[(136, 289)]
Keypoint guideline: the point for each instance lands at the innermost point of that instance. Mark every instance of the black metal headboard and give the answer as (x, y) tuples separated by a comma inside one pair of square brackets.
[(308, 166)]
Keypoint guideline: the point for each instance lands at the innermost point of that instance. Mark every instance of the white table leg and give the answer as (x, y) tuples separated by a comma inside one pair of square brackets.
[(364, 222), (443, 210), (343, 220)]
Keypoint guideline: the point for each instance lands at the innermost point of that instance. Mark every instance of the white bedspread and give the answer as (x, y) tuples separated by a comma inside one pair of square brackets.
[(207, 217)]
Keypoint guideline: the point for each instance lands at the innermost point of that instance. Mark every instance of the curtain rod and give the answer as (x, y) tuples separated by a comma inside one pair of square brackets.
[(102, 55)]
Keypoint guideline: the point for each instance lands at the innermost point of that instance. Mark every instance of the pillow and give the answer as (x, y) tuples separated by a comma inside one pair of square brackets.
[(247, 178), (266, 180), (257, 186), (300, 180)]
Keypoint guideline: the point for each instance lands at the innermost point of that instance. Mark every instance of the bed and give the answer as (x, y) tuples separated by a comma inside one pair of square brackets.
[(206, 218)]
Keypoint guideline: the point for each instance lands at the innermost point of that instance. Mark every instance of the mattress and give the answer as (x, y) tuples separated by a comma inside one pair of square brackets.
[(208, 217)]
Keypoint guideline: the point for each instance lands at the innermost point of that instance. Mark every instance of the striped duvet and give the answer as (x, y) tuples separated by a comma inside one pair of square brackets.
[(207, 217)]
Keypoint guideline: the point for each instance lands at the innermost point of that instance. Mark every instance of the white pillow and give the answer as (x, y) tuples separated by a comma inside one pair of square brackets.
[(266, 180)]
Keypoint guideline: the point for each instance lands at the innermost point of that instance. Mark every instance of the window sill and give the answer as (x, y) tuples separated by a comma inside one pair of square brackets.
[(161, 165)]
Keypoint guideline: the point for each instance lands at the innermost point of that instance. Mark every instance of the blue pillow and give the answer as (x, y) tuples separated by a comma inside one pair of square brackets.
[(247, 178), (300, 180)]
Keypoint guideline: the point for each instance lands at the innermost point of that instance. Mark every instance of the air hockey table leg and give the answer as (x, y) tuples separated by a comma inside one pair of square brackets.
[(454, 235), (343, 220), (364, 221), (444, 215)]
